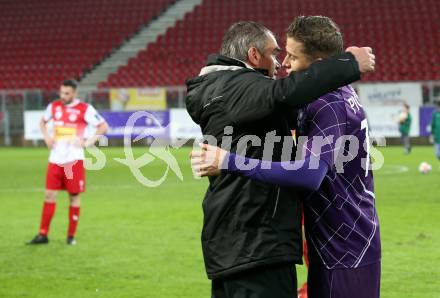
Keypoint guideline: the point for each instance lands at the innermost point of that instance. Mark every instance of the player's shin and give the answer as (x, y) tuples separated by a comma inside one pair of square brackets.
[(46, 217), (73, 220)]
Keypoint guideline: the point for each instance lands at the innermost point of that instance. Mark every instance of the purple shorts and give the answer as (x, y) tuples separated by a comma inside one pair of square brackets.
[(362, 282)]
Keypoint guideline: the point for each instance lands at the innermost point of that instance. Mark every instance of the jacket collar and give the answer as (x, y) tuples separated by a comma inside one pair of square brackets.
[(217, 62), (217, 59)]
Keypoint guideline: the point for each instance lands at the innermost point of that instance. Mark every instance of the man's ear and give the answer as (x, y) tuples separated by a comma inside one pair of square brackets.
[(254, 56)]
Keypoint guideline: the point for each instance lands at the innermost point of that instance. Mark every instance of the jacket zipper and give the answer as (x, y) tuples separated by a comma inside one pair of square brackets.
[(276, 202)]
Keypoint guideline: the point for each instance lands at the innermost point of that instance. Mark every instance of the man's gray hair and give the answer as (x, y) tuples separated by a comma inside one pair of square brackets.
[(241, 36)]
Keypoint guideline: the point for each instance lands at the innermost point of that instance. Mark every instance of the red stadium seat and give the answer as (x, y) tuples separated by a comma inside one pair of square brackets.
[(51, 45), (391, 28)]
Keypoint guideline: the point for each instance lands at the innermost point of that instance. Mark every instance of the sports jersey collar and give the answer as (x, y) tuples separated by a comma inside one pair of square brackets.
[(73, 103)]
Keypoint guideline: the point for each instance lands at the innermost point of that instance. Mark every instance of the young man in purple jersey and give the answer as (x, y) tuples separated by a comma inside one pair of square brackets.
[(333, 174)]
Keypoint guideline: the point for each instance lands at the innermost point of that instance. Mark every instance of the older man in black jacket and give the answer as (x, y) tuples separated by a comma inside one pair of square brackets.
[(251, 235)]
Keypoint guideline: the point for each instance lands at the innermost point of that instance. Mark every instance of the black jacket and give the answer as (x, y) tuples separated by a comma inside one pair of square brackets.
[(248, 223)]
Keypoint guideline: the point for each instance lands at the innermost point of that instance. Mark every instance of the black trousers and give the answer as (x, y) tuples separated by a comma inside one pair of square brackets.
[(265, 282)]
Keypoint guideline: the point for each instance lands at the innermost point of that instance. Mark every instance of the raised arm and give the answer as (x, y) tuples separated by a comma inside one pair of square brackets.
[(325, 120), (299, 88), (211, 161)]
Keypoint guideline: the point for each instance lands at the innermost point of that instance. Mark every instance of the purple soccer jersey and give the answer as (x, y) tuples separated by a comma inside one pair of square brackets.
[(341, 223)]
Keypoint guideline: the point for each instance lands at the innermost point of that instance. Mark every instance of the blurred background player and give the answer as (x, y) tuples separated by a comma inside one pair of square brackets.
[(405, 127), (65, 171), (435, 130)]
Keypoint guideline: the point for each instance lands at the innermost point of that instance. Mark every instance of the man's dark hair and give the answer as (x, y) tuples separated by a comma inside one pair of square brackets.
[(320, 35), (70, 83), (243, 35)]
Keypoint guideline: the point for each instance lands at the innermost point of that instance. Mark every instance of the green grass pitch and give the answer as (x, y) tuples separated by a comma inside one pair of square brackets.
[(135, 241)]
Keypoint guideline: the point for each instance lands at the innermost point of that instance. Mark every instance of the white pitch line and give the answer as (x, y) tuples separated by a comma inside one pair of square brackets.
[(385, 170), (392, 169), (98, 187)]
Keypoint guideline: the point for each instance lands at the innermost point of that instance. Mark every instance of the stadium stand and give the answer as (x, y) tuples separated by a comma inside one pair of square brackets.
[(43, 42), (406, 44), (67, 39)]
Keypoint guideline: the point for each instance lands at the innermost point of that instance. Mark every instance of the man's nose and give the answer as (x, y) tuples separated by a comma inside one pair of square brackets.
[(285, 63)]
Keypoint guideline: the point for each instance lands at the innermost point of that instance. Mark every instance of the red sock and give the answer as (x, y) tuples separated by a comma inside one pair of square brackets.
[(73, 220), (46, 217)]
